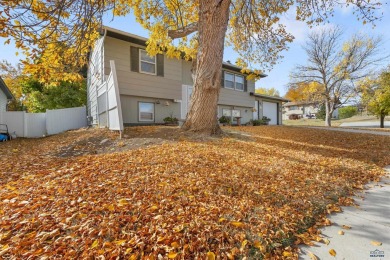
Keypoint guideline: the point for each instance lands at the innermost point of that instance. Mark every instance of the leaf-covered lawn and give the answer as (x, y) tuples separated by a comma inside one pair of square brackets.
[(257, 196)]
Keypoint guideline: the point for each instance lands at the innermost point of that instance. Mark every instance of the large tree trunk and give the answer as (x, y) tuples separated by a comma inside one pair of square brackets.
[(382, 118), (328, 113), (212, 26)]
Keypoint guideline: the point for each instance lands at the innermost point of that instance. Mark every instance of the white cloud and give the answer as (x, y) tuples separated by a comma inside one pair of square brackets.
[(298, 29)]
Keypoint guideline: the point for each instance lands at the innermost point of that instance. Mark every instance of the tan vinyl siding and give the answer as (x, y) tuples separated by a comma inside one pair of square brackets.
[(3, 101), (161, 111), (139, 84), (237, 98)]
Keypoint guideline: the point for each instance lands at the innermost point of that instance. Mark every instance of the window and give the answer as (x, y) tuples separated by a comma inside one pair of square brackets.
[(146, 111), (147, 64), (236, 113), (226, 112), (229, 80), (234, 81), (239, 82)]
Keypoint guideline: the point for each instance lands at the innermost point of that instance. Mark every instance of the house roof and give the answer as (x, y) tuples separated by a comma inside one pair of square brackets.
[(129, 37), (299, 103), (269, 97), (5, 89)]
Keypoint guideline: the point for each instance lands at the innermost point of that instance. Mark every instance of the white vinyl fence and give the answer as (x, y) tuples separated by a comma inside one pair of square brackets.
[(40, 124), (108, 102)]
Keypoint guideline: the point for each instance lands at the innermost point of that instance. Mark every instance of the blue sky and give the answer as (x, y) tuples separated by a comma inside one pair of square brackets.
[(278, 77)]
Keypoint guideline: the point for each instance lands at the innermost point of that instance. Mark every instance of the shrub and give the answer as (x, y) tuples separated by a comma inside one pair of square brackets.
[(293, 117), (170, 120), (346, 112), (264, 121), (224, 120)]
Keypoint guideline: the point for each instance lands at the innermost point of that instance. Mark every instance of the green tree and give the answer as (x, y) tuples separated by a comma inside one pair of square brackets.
[(268, 91), (321, 114), (40, 97), (376, 95), (200, 29), (347, 112)]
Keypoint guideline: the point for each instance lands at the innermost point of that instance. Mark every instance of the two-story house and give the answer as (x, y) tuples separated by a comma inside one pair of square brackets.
[(152, 88)]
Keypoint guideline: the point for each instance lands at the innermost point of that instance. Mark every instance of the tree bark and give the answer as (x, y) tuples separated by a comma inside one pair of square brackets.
[(382, 118), (212, 26), (328, 114)]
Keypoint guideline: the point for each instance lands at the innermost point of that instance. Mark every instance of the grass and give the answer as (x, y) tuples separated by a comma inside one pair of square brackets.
[(254, 195)]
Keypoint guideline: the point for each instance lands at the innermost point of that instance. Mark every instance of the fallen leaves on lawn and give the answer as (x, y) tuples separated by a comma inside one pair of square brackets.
[(222, 198)]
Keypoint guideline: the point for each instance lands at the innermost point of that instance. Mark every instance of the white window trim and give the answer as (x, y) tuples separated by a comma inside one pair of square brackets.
[(139, 112), (234, 81), (229, 80), (140, 61)]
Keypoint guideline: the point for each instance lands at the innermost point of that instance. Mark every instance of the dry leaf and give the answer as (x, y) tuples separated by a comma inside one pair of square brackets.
[(312, 256), (210, 256), (332, 252), (376, 243), (341, 232), (237, 224), (172, 255), (346, 227)]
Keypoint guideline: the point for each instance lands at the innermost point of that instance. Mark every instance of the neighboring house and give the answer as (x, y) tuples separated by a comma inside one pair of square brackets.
[(304, 109), (5, 95), (152, 88)]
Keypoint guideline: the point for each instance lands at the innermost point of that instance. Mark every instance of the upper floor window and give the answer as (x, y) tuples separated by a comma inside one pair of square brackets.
[(233, 81), (147, 64), (239, 82)]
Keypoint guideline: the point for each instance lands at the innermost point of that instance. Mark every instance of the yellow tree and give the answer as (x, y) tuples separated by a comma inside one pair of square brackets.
[(268, 91), (376, 95), (337, 66), (200, 28), (304, 91)]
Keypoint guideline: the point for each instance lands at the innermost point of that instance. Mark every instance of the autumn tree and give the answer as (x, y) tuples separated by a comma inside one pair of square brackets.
[(376, 95), (337, 66), (304, 91), (268, 91), (200, 29), (35, 96)]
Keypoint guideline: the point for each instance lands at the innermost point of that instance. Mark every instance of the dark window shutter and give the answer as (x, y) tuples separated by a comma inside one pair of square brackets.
[(134, 59), (223, 79), (160, 65), (245, 84)]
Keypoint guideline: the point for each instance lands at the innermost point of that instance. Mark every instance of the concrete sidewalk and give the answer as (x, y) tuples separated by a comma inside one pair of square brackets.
[(370, 226), (365, 124)]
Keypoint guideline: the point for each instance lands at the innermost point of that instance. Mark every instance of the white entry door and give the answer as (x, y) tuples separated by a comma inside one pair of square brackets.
[(270, 110), (256, 112)]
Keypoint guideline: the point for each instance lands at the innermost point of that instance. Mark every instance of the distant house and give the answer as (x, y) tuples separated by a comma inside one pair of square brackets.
[(303, 109), (152, 88), (5, 95)]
